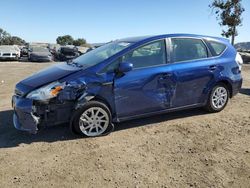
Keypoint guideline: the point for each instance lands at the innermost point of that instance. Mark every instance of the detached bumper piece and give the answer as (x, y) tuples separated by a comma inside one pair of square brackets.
[(30, 115)]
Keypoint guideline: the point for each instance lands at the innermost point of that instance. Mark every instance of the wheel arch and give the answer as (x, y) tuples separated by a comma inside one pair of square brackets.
[(209, 88), (104, 101), (228, 84), (94, 98)]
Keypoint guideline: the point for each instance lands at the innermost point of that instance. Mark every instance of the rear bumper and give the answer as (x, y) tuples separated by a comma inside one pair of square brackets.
[(236, 86), (40, 59)]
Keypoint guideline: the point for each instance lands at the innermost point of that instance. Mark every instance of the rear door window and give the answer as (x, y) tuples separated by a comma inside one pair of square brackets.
[(186, 49)]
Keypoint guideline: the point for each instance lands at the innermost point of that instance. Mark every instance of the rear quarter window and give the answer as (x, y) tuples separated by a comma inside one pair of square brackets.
[(216, 48)]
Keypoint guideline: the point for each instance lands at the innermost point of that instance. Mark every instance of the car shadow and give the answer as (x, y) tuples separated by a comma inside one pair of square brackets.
[(23, 59), (10, 137), (245, 91), (160, 118)]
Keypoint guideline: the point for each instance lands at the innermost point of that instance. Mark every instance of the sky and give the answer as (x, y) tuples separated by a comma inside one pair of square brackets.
[(105, 20)]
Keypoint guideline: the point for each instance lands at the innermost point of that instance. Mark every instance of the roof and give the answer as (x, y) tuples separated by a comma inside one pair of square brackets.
[(155, 37)]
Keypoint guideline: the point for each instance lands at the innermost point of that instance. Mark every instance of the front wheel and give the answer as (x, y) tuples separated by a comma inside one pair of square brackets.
[(93, 119), (218, 98)]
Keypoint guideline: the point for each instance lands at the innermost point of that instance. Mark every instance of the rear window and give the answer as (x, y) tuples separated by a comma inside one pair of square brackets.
[(65, 50), (217, 48), (39, 49)]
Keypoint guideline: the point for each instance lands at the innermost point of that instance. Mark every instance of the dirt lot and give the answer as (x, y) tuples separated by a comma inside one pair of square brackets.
[(182, 149)]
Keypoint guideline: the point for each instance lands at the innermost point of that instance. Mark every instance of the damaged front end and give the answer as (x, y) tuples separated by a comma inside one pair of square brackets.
[(49, 105)]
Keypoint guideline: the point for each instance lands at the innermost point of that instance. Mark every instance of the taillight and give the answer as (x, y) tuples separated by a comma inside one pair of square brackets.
[(239, 60)]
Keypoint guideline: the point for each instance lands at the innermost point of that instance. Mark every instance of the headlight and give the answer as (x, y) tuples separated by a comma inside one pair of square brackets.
[(47, 92)]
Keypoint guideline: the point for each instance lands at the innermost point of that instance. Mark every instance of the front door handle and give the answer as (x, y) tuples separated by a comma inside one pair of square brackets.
[(212, 67)]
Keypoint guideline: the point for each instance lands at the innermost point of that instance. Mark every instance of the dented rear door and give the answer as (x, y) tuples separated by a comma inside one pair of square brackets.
[(194, 69)]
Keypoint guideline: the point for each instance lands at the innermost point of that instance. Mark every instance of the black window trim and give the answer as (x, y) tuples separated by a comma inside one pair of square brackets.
[(209, 54)]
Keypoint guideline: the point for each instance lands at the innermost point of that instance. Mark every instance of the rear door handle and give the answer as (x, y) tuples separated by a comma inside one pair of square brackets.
[(212, 67), (165, 77)]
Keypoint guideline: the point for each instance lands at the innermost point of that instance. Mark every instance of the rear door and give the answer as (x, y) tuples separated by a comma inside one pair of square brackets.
[(194, 70)]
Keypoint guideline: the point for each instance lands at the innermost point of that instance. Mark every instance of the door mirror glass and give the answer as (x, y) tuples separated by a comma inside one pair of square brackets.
[(125, 67)]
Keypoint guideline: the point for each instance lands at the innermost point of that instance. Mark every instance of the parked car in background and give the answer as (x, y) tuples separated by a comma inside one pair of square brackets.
[(127, 79), (9, 52), (66, 53), (97, 45), (245, 56), (53, 48), (82, 49), (24, 52), (39, 54)]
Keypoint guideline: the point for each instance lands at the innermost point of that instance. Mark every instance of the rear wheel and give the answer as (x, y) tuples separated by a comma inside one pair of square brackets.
[(93, 119), (218, 98)]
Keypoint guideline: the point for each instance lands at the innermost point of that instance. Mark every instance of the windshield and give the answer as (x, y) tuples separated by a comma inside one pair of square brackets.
[(99, 54)]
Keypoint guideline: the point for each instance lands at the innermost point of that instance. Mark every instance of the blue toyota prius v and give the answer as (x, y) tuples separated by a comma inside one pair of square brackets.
[(129, 78)]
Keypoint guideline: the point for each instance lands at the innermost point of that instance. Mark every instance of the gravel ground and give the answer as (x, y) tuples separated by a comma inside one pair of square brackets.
[(183, 149)]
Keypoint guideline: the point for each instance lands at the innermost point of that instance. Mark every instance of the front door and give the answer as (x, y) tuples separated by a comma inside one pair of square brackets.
[(147, 88)]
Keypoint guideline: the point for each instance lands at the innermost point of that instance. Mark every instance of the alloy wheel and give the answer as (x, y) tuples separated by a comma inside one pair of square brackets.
[(219, 97), (94, 121)]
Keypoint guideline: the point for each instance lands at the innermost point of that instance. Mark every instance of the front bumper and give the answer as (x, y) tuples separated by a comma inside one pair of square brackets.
[(8, 57), (30, 115), (23, 119)]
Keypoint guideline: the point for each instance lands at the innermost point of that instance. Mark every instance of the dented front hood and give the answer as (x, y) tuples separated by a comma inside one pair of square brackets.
[(50, 74)]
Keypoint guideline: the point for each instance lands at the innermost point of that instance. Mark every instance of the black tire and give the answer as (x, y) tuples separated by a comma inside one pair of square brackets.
[(75, 122), (210, 107)]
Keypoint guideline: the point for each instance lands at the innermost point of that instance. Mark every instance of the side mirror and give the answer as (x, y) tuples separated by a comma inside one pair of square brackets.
[(125, 67)]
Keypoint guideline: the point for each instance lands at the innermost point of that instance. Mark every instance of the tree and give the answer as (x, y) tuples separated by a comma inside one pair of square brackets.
[(3, 36), (65, 40), (79, 42), (228, 13), (7, 39), (14, 40)]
